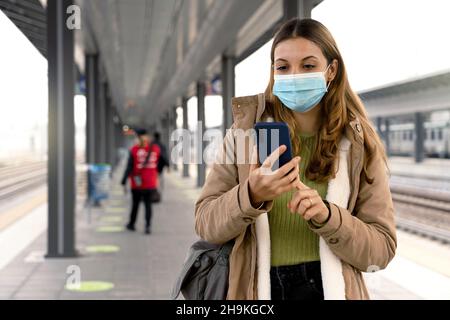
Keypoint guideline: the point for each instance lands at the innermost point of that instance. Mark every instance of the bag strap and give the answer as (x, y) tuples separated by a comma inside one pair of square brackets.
[(226, 248), (148, 155)]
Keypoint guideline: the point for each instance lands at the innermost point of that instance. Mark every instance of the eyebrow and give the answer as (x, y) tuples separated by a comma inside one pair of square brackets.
[(308, 57)]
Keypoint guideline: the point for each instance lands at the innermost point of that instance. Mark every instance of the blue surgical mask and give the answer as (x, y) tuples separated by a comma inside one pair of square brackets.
[(300, 92)]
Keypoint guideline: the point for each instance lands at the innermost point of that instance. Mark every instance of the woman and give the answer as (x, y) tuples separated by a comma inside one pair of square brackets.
[(310, 233), (143, 173)]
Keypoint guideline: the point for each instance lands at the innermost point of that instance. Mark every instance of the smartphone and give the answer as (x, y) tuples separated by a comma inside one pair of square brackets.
[(271, 135)]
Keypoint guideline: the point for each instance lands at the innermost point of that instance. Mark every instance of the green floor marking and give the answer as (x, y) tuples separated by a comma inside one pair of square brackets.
[(111, 219), (110, 229), (90, 286), (102, 249), (118, 203), (115, 210)]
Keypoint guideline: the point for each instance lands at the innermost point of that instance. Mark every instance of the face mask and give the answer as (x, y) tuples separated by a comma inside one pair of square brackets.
[(300, 92)]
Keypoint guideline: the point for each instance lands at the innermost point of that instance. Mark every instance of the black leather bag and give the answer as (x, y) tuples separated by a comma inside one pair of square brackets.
[(204, 275), (155, 196)]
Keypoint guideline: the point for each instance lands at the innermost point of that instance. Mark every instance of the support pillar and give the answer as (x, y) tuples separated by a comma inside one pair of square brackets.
[(419, 150), (185, 127), (61, 133), (387, 136), (91, 104), (228, 91), (201, 165), (298, 8)]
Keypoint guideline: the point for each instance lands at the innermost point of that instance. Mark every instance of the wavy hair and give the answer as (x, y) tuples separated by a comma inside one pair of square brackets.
[(338, 105)]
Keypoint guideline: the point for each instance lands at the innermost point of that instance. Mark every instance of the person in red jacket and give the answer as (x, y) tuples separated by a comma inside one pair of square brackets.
[(142, 170)]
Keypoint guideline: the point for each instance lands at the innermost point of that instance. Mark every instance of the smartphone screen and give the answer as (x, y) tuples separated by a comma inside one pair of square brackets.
[(271, 135)]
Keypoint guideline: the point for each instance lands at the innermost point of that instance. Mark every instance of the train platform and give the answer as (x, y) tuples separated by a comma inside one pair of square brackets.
[(430, 168), (114, 263)]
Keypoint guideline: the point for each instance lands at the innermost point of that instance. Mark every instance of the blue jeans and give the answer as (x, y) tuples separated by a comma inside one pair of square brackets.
[(298, 282)]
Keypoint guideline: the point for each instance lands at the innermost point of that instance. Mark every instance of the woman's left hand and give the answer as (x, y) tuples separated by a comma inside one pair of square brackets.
[(308, 203)]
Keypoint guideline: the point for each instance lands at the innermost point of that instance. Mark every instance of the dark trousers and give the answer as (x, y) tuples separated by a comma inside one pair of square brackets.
[(144, 195), (297, 282)]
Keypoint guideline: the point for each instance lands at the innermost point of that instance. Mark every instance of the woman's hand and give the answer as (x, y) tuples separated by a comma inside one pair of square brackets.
[(308, 203), (265, 184)]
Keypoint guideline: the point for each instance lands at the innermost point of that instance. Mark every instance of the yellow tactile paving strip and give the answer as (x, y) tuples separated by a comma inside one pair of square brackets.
[(9, 217)]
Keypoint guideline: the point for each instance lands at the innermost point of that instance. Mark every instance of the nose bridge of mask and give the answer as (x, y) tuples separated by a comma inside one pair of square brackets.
[(300, 82)]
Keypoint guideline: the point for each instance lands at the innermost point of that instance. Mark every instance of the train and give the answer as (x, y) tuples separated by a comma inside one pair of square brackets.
[(436, 144)]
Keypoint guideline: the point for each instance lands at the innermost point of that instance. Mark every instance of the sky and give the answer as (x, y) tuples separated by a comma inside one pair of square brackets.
[(24, 95), (22, 68), (382, 42)]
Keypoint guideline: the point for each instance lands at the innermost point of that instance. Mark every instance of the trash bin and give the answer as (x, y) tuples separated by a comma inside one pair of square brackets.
[(99, 182)]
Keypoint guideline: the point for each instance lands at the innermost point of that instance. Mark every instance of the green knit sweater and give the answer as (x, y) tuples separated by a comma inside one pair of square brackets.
[(292, 241)]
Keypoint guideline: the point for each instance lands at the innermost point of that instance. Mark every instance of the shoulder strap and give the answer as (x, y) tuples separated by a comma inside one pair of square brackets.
[(148, 155), (226, 248)]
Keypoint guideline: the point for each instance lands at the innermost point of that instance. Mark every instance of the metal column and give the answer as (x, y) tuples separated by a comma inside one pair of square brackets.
[(91, 104), (228, 91), (201, 166), (174, 128), (185, 127), (379, 125), (61, 133), (419, 150), (100, 126), (166, 128), (109, 133), (299, 8), (387, 136)]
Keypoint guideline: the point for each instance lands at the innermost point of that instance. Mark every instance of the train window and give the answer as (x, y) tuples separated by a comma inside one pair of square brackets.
[(410, 136), (432, 134), (405, 135), (439, 134)]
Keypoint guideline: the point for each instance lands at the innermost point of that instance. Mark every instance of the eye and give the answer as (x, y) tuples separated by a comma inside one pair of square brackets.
[(280, 68), (309, 66)]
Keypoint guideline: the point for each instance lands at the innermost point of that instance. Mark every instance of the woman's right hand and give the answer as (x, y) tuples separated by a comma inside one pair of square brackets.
[(265, 184)]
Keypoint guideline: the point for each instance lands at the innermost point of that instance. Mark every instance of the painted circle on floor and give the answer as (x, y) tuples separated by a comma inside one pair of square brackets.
[(102, 249), (115, 210), (112, 219), (90, 286), (110, 229)]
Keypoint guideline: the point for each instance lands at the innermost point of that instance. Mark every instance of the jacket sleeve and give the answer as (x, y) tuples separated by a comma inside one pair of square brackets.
[(128, 169), (224, 210), (367, 238)]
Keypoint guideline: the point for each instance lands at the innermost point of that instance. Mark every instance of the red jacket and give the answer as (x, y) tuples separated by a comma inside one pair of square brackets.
[(149, 173)]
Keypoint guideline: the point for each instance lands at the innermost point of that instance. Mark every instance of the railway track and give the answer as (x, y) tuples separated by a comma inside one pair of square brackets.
[(17, 179), (422, 206)]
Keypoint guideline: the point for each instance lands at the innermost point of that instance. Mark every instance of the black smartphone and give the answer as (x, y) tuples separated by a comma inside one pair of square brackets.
[(271, 135)]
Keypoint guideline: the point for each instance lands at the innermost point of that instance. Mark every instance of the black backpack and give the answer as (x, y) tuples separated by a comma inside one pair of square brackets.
[(204, 275)]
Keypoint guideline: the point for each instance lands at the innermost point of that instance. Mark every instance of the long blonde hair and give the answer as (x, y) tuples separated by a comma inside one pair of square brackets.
[(337, 106)]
